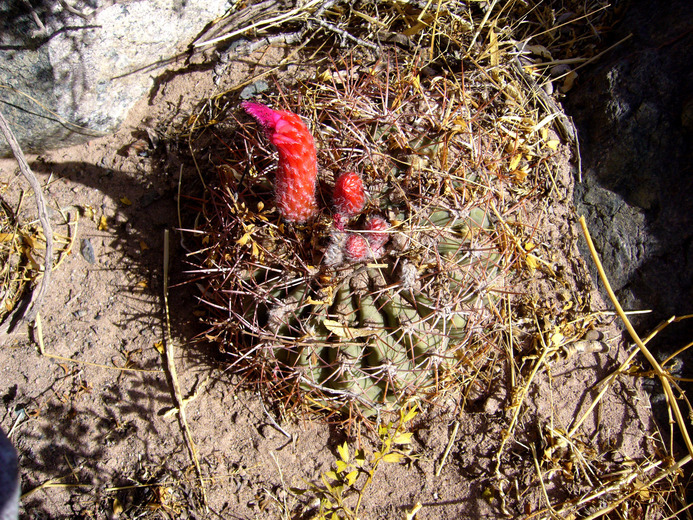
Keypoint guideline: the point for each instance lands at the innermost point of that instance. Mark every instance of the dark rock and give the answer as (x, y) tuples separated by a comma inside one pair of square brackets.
[(9, 480), (637, 153)]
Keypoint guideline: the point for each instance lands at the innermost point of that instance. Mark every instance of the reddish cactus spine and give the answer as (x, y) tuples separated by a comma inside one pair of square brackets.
[(349, 196), (297, 169)]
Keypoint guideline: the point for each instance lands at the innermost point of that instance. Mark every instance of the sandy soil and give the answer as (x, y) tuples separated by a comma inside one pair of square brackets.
[(90, 420)]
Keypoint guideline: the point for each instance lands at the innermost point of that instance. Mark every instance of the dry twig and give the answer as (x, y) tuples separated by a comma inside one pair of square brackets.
[(171, 366), (29, 313)]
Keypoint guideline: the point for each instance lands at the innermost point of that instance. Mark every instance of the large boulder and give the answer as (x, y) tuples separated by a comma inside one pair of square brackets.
[(634, 115), (72, 72)]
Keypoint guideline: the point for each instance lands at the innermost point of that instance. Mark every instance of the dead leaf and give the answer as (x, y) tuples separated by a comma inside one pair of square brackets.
[(343, 331), (568, 82), (515, 161), (493, 48), (532, 262)]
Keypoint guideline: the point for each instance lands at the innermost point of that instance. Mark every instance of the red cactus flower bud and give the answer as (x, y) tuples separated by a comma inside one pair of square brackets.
[(376, 228), (349, 196), (298, 166), (356, 248)]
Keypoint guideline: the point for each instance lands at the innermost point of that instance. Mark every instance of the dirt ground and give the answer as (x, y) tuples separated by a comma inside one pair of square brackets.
[(91, 420)]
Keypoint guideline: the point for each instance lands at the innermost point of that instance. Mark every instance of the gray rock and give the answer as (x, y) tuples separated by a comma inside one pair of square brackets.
[(66, 78), (87, 250)]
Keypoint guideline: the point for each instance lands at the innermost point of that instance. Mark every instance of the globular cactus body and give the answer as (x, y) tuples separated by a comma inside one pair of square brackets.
[(362, 312)]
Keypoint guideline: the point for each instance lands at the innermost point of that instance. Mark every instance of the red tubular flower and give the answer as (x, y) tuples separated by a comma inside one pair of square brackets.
[(349, 196), (297, 170)]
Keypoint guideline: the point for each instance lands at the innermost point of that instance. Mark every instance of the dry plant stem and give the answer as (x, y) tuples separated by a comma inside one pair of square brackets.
[(32, 310), (658, 369), (565, 124), (482, 24), (38, 330), (449, 447), (171, 365), (606, 385), (519, 400), (541, 482), (664, 474), (293, 14)]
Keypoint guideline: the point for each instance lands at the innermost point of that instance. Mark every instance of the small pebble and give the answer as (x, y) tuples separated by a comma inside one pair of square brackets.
[(87, 250), (252, 90)]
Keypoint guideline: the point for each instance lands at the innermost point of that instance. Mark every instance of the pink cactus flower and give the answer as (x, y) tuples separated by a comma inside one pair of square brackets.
[(297, 169)]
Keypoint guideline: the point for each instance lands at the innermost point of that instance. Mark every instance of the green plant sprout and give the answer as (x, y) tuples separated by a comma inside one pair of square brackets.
[(347, 483)]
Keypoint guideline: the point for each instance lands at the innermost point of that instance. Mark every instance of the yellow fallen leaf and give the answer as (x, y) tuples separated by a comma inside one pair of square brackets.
[(515, 161), (103, 224), (553, 144), (402, 438), (325, 77), (495, 53), (519, 175), (7, 237), (351, 477), (117, 507), (557, 339), (343, 451), (417, 83), (532, 262), (126, 201), (245, 238), (344, 331)]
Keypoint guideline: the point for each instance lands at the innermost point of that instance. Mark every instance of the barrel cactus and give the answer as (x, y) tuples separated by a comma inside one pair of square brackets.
[(378, 299)]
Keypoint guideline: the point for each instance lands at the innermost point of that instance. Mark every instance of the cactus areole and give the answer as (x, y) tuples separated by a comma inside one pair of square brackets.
[(359, 314)]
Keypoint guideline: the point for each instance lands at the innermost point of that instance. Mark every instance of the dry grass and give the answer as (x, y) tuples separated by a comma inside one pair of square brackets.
[(459, 113)]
